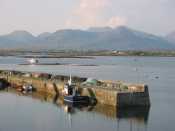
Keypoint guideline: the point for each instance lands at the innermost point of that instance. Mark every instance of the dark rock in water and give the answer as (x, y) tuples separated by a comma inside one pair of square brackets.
[(157, 77), (3, 84)]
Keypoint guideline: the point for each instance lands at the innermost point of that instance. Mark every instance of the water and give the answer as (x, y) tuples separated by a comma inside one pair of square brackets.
[(26, 113)]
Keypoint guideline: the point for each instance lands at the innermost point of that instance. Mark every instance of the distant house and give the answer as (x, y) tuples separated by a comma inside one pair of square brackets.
[(41, 75), (27, 75)]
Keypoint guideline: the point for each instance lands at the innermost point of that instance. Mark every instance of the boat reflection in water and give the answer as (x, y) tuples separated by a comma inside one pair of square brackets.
[(137, 115), (134, 116)]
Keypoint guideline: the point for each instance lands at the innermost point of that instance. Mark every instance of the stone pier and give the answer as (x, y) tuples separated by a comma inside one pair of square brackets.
[(113, 93)]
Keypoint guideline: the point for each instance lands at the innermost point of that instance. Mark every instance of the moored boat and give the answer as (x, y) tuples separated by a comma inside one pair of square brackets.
[(3, 84), (71, 95), (76, 99), (33, 61), (27, 87)]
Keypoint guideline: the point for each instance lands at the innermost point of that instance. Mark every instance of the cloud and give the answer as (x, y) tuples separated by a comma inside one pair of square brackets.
[(94, 6), (90, 13), (116, 21)]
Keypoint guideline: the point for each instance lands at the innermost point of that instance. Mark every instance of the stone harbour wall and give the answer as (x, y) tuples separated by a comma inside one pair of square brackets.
[(130, 95)]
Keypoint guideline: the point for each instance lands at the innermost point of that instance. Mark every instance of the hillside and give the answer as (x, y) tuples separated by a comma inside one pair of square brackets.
[(171, 37), (105, 38)]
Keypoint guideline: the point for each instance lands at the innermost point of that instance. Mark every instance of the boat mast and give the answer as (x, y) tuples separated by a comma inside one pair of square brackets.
[(70, 78)]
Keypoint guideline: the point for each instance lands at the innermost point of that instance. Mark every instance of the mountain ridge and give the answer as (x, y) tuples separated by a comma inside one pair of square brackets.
[(94, 38), (171, 37)]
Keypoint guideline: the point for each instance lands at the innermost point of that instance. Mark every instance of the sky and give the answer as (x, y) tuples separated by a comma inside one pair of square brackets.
[(38, 16)]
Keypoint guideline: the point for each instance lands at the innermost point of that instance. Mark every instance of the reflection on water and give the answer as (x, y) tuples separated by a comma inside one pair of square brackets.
[(157, 72), (138, 114)]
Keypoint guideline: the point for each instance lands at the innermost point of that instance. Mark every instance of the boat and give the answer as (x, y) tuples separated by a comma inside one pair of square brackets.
[(3, 84), (76, 99), (33, 61), (27, 87), (71, 95)]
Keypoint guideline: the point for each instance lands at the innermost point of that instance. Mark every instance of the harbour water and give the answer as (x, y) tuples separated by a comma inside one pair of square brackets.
[(26, 113)]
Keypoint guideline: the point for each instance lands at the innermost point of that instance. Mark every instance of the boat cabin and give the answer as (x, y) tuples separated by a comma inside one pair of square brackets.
[(69, 89)]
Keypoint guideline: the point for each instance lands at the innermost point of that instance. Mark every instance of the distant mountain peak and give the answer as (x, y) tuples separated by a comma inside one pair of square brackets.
[(20, 36), (123, 29), (172, 34), (109, 29), (100, 29), (95, 38), (67, 31), (20, 32), (44, 35), (171, 37)]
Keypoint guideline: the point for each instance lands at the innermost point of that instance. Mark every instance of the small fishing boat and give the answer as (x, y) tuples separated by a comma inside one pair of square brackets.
[(76, 99), (3, 84), (71, 95), (33, 61), (27, 87)]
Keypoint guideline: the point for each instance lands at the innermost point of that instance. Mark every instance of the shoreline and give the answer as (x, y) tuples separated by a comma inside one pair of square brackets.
[(47, 64), (84, 54)]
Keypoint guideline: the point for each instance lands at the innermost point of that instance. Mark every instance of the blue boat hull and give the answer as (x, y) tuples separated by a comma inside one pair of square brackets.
[(76, 99)]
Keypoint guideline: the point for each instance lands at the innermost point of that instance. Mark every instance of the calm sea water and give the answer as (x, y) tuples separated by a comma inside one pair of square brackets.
[(26, 113)]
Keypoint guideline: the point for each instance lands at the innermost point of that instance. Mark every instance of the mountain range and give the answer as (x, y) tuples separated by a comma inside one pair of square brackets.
[(95, 38), (171, 37)]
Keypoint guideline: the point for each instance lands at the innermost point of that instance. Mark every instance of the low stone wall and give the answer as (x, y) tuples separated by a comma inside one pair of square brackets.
[(139, 97), (133, 98), (103, 96), (129, 95), (39, 84)]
